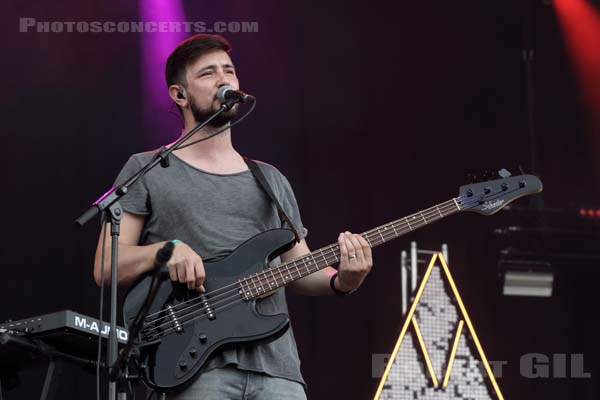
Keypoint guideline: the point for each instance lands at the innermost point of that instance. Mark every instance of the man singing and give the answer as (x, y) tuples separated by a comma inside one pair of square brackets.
[(208, 203)]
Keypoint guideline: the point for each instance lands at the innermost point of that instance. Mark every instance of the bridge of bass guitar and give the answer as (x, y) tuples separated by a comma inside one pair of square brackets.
[(190, 329)]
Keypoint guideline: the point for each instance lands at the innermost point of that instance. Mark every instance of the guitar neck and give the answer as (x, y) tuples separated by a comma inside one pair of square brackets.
[(271, 279)]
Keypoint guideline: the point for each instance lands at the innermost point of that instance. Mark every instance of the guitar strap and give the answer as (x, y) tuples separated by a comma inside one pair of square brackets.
[(262, 180)]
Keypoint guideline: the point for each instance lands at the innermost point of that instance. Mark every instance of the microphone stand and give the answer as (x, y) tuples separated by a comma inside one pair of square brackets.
[(162, 258), (108, 203)]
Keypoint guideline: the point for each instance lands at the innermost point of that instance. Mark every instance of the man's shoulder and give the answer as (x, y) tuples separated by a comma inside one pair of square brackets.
[(144, 156), (138, 160), (134, 163), (271, 172)]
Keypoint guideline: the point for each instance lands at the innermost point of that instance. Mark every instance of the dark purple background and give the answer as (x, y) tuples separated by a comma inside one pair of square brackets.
[(373, 110)]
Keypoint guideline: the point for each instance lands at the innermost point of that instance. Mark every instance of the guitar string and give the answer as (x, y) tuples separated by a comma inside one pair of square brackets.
[(263, 279), (236, 296), (326, 254), (268, 276), (333, 253), (432, 211), (239, 300), (171, 330), (188, 318), (184, 318), (329, 256)]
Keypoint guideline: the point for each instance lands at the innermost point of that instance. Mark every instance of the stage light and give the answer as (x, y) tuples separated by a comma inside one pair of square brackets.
[(155, 48), (589, 213), (527, 278), (580, 24)]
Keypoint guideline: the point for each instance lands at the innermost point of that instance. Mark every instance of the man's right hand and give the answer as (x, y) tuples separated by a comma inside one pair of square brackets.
[(186, 266)]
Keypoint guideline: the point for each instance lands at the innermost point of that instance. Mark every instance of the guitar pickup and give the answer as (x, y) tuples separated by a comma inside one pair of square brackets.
[(176, 324), (208, 310)]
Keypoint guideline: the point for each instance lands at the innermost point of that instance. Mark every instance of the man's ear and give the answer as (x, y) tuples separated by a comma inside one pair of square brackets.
[(178, 95)]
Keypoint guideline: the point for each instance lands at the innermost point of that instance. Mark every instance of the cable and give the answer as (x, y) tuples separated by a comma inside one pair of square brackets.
[(234, 123)]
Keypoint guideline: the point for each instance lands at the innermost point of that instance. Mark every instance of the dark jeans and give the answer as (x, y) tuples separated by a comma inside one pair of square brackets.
[(230, 383)]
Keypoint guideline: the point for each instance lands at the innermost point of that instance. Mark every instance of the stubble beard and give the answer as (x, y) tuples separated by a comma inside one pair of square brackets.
[(222, 119)]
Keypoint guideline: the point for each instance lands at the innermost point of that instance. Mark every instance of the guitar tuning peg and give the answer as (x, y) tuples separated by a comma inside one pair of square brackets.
[(471, 178), (504, 173), (521, 169)]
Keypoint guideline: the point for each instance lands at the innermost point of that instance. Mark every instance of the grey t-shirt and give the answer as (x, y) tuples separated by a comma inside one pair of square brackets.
[(214, 214)]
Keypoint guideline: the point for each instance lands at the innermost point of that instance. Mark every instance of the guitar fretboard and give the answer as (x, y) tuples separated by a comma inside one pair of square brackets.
[(271, 279)]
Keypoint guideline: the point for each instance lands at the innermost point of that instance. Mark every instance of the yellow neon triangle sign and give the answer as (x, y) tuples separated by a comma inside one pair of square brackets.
[(410, 319)]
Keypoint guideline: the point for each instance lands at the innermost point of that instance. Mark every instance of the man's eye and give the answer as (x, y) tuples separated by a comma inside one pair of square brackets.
[(206, 73)]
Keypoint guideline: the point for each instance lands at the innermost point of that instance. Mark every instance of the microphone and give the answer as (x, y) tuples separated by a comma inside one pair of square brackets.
[(227, 94)]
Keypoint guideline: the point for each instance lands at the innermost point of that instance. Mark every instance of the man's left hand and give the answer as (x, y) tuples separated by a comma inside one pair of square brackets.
[(355, 261)]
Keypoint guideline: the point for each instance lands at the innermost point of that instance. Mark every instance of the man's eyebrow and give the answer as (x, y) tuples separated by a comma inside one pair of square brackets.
[(213, 67)]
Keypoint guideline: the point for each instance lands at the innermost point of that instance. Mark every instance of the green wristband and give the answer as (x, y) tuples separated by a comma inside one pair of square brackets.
[(175, 241)]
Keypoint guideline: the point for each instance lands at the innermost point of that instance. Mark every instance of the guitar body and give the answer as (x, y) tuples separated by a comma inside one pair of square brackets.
[(184, 336)]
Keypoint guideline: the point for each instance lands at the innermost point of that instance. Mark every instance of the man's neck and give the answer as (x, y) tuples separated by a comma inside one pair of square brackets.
[(216, 154), (215, 146)]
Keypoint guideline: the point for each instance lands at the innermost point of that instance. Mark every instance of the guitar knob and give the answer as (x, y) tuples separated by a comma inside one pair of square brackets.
[(487, 190), (203, 338), (521, 184), (183, 366), (504, 186), (193, 353)]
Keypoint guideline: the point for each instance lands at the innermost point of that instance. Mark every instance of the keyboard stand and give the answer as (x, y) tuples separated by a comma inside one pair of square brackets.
[(29, 350)]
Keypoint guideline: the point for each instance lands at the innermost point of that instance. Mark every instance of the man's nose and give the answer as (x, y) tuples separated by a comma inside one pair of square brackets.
[(223, 79)]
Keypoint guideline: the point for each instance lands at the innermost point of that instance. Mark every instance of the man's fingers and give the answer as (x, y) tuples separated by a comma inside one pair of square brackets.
[(357, 248), (200, 275), (355, 259), (343, 247), (173, 273), (190, 275), (186, 267), (180, 273), (366, 249), (350, 246)]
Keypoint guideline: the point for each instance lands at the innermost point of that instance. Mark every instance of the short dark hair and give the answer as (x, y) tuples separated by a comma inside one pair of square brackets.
[(189, 51)]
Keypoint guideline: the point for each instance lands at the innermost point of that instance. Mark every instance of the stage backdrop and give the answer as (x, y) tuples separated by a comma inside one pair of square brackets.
[(373, 110)]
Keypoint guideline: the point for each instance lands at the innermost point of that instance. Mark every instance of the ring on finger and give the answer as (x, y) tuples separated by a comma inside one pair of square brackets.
[(351, 256)]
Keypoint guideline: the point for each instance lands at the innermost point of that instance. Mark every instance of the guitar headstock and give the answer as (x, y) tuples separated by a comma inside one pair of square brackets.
[(491, 196)]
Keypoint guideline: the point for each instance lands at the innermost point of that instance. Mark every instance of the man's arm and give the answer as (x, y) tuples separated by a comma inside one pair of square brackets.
[(351, 272), (134, 260), (185, 265)]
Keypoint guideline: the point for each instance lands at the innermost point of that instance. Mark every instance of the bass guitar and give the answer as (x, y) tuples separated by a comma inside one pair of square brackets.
[(184, 328)]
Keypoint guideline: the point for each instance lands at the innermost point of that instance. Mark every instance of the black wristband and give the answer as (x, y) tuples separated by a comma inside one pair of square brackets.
[(336, 290)]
